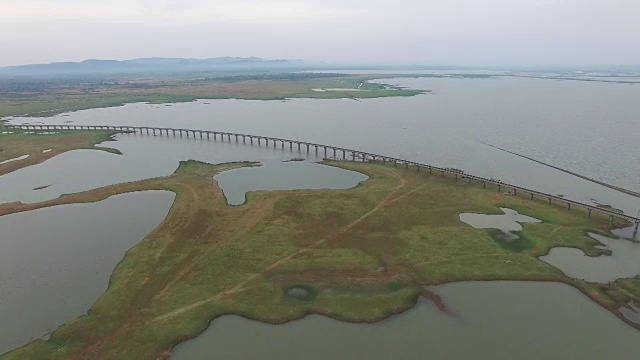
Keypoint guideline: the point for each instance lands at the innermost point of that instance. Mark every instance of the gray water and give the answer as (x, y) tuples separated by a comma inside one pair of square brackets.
[(142, 157), (55, 262), (279, 175), (631, 313), (489, 320), (587, 127), (509, 221), (624, 261)]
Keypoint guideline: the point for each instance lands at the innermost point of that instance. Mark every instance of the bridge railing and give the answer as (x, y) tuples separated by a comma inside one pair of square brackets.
[(364, 156)]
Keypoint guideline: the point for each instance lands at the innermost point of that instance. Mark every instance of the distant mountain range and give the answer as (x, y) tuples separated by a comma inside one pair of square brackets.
[(150, 65)]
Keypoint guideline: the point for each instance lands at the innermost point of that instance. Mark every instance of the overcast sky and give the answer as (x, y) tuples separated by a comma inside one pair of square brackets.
[(450, 32)]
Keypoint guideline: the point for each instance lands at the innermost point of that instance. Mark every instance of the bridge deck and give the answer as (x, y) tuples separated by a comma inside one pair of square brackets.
[(360, 155)]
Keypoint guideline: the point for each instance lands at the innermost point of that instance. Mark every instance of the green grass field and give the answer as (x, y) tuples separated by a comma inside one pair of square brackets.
[(363, 254), (50, 101)]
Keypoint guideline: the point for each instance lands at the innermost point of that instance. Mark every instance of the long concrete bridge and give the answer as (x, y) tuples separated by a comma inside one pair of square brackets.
[(333, 152)]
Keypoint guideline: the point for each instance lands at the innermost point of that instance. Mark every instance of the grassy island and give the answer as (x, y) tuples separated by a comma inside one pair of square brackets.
[(358, 255), (42, 99)]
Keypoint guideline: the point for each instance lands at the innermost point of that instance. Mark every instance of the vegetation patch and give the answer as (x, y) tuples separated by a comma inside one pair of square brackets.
[(516, 241), (43, 99), (367, 251)]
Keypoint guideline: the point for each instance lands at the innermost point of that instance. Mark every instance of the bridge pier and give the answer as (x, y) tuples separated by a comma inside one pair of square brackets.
[(635, 230), (531, 196), (549, 201), (334, 153), (298, 147), (484, 184), (353, 155)]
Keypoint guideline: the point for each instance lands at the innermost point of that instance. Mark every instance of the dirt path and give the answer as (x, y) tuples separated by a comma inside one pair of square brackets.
[(387, 200)]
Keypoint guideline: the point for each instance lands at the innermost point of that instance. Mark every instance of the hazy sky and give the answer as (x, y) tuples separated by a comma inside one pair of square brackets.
[(455, 32)]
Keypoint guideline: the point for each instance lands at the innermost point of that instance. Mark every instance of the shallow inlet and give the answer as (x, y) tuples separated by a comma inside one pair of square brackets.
[(55, 262), (624, 261), (278, 175), (489, 320)]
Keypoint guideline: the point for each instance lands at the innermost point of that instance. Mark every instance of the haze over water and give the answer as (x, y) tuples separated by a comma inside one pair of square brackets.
[(589, 128)]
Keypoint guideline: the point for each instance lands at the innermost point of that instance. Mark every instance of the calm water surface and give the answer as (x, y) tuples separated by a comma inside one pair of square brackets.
[(509, 221), (55, 262), (278, 175), (590, 128), (143, 157), (489, 320), (587, 127), (624, 261)]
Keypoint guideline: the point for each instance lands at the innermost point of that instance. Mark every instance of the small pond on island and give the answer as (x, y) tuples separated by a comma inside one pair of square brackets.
[(284, 175), (624, 261), (506, 223)]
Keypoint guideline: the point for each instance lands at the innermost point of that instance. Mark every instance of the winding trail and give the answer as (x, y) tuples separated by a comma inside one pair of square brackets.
[(387, 200)]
